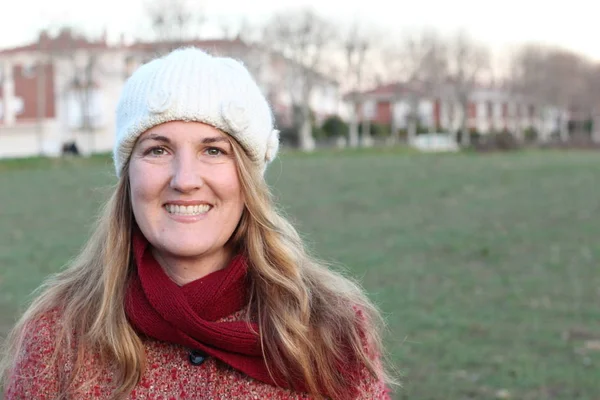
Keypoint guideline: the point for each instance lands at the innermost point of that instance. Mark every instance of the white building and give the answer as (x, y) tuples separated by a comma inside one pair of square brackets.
[(489, 110), (65, 89)]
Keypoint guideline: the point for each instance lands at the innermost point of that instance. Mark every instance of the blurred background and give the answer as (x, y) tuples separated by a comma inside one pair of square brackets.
[(444, 154)]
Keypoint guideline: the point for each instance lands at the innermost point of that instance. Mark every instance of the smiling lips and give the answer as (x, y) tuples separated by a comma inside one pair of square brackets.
[(196, 209)]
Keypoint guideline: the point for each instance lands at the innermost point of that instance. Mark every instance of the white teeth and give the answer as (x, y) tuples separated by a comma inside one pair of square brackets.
[(187, 210)]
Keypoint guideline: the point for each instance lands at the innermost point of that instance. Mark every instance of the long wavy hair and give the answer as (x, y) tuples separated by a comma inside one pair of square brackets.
[(312, 317)]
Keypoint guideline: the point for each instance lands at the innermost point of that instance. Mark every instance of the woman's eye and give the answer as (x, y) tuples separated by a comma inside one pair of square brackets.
[(213, 151), (156, 151)]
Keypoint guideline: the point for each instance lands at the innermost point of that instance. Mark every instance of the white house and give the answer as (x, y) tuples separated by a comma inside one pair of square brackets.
[(65, 89), (489, 109)]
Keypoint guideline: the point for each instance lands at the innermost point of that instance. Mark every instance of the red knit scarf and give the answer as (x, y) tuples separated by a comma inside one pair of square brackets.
[(188, 315)]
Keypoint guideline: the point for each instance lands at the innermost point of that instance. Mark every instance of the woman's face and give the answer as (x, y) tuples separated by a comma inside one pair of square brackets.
[(185, 191)]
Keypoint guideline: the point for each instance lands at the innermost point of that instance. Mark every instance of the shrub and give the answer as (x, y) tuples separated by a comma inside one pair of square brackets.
[(377, 130), (319, 133), (498, 141), (380, 130), (421, 129), (474, 136), (506, 141), (402, 133), (289, 136), (334, 126), (530, 135)]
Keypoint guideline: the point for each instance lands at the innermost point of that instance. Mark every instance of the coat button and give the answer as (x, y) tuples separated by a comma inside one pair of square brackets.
[(197, 357)]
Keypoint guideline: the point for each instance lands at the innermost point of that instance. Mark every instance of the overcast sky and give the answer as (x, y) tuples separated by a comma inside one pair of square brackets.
[(573, 24)]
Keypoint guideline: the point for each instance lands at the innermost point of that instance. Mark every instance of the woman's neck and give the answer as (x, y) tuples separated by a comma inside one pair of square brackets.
[(183, 270)]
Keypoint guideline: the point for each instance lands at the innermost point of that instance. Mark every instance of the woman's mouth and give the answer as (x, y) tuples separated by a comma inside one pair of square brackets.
[(199, 209)]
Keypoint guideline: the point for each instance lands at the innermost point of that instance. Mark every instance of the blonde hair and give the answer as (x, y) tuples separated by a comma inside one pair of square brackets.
[(311, 316)]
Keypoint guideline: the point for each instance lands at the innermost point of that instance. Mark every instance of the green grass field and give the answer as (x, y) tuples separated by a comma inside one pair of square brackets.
[(486, 266)]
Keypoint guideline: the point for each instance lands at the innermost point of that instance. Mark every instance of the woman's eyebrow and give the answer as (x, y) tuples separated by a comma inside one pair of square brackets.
[(215, 139), (164, 139), (154, 136)]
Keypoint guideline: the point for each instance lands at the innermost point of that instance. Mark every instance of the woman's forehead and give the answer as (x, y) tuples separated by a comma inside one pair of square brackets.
[(175, 128), (181, 131)]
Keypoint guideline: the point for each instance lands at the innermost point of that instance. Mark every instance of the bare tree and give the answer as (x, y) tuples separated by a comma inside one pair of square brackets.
[(582, 92), (419, 61), (175, 21), (249, 47), (564, 82), (532, 76), (524, 80), (239, 28), (467, 61), (78, 76), (304, 38), (555, 79), (593, 86), (82, 84), (41, 93), (357, 43), (229, 27)]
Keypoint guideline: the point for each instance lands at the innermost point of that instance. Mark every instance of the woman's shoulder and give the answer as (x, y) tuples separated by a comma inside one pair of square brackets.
[(41, 330), (33, 372), (39, 335)]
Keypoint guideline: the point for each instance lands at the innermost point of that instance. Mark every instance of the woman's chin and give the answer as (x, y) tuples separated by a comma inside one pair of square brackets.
[(192, 251)]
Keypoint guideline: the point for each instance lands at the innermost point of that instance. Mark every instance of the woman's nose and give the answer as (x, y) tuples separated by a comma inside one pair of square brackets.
[(186, 174)]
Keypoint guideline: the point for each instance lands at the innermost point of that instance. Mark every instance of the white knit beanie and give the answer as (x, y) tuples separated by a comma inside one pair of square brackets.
[(190, 85)]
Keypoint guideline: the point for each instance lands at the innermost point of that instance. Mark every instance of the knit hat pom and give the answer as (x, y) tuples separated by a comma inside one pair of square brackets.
[(272, 146)]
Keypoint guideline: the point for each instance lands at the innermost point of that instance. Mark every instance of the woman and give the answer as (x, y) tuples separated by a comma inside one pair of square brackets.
[(192, 285)]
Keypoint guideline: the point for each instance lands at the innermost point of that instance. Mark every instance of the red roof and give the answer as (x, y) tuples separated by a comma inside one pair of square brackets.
[(65, 40), (388, 90), (206, 44)]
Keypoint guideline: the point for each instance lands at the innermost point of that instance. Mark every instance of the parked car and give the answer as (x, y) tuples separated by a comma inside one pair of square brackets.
[(435, 142)]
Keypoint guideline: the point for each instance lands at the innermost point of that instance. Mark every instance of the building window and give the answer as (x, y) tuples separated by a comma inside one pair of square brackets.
[(85, 109), (472, 110), (451, 110), (368, 111), (18, 105), (28, 71)]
